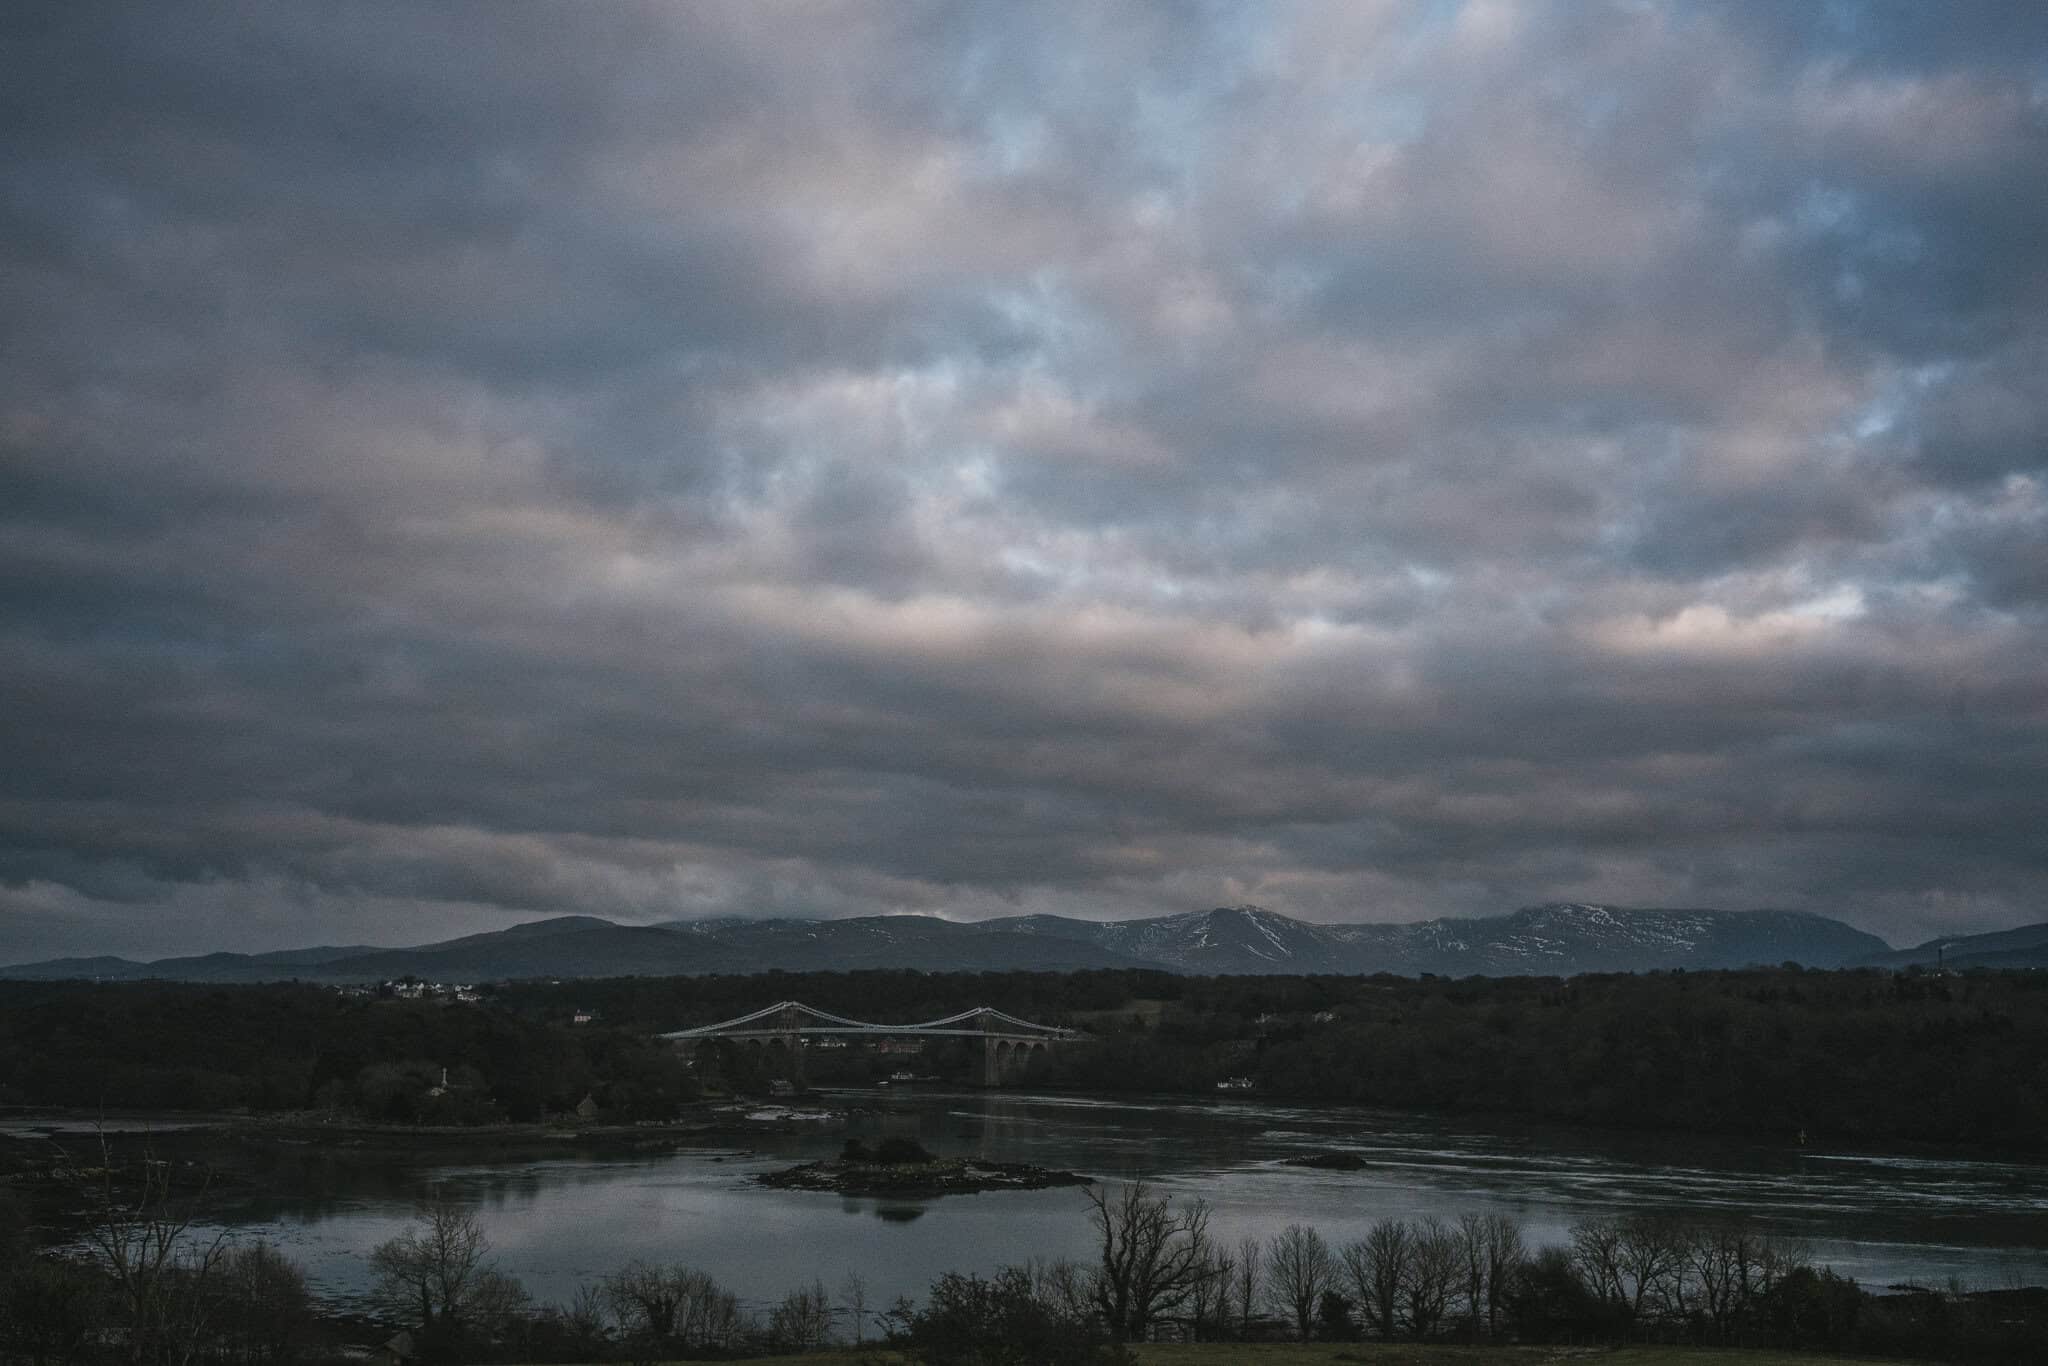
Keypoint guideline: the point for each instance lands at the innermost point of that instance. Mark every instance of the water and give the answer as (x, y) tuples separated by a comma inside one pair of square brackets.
[(1883, 1218)]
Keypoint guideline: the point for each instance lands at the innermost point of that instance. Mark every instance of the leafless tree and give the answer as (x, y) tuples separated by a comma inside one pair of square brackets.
[(1632, 1264), (1064, 1284), (1299, 1269), (1433, 1268), (438, 1274), (1377, 1267), (715, 1320), (160, 1269), (1504, 1254), (803, 1321), (1596, 1256), (1773, 1259), (1653, 1249), (589, 1314), (648, 1300), (660, 1309), (265, 1306), (1489, 1249), (853, 1293), (1209, 1307), (1245, 1280), (1151, 1256), (1471, 1235)]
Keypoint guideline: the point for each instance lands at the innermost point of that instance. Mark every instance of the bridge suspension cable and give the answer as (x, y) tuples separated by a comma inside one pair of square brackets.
[(840, 1024)]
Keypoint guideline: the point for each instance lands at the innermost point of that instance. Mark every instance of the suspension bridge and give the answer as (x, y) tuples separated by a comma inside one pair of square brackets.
[(1009, 1044)]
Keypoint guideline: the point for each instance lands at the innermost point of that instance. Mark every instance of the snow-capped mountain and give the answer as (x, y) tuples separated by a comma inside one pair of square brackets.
[(1557, 939), (1550, 939)]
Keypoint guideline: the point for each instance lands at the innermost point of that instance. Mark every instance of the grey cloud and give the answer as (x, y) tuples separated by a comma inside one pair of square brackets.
[(654, 461)]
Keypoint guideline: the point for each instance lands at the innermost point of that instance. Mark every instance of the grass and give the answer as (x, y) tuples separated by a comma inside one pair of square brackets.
[(1394, 1354), (1406, 1354)]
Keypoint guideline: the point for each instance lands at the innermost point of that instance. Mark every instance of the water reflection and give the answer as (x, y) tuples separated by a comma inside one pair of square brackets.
[(899, 1214), (557, 1222)]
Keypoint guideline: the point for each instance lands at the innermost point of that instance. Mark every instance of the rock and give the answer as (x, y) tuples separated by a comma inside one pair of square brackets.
[(1328, 1161), (939, 1176)]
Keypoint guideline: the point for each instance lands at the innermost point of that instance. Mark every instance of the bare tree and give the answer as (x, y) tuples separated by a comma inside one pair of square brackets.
[(1472, 1240), (1064, 1284), (803, 1321), (588, 1315), (438, 1275), (1652, 1252), (649, 1303), (265, 1306), (1377, 1267), (853, 1293), (1631, 1263), (1716, 1256), (1298, 1270), (1433, 1270), (1504, 1254), (1209, 1307), (647, 1299), (160, 1269), (1245, 1281), (661, 1309), (1596, 1256), (714, 1319), (1151, 1256), (1772, 1260)]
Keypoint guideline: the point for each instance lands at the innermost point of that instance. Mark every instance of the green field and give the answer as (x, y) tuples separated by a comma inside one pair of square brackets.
[(1398, 1354)]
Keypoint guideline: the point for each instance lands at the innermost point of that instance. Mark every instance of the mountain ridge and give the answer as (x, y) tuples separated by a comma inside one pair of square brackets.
[(1554, 938)]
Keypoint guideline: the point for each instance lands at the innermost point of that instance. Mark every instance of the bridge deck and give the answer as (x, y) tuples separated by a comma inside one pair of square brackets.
[(815, 1021)]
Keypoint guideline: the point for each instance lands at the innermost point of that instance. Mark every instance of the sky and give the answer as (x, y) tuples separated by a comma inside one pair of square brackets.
[(1375, 461)]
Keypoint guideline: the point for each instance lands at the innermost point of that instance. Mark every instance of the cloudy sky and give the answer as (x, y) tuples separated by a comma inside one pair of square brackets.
[(466, 463)]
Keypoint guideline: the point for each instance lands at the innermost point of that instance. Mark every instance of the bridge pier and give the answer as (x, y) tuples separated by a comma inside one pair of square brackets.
[(791, 1021), (1004, 1060)]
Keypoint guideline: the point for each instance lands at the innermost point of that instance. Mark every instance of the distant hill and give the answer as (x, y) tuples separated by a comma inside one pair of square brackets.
[(1557, 939), (2026, 947)]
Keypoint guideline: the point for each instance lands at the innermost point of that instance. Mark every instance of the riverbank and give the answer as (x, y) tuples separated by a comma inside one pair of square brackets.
[(24, 1128), (710, 1120)]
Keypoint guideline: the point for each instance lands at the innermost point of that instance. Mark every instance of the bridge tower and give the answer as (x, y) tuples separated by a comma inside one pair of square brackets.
[(789, 1022), (994, 1052)]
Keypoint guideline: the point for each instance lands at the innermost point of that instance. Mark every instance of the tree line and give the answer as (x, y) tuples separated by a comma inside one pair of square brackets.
[(1858, 1055), (149, 1286), (1846, 1056), (289, 1047)]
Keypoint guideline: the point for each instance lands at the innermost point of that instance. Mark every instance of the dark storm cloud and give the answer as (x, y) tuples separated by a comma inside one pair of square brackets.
[(1375, 460)]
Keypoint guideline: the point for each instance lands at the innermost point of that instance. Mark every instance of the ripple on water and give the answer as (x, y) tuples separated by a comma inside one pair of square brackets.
[(556, 1222)]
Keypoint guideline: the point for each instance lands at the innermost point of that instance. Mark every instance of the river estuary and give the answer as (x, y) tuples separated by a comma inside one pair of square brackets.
[(1881, 1217)]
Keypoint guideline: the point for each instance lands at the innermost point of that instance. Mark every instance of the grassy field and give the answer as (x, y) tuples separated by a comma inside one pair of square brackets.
[(1397, 1354)]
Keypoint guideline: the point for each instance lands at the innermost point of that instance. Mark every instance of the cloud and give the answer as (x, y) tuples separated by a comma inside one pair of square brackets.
[(1378, 461)]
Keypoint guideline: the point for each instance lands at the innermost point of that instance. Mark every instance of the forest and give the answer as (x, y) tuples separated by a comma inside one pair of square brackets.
[(1856, 1056), (1847, 1056)]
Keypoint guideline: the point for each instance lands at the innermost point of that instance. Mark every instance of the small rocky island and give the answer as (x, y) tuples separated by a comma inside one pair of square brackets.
[(1328, 1161), (902, 1167)]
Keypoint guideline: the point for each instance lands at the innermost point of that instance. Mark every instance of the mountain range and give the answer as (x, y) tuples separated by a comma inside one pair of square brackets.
[(1559, 939)]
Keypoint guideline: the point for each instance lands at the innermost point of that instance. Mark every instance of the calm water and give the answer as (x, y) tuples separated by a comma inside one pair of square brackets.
[(1882, 1218)]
